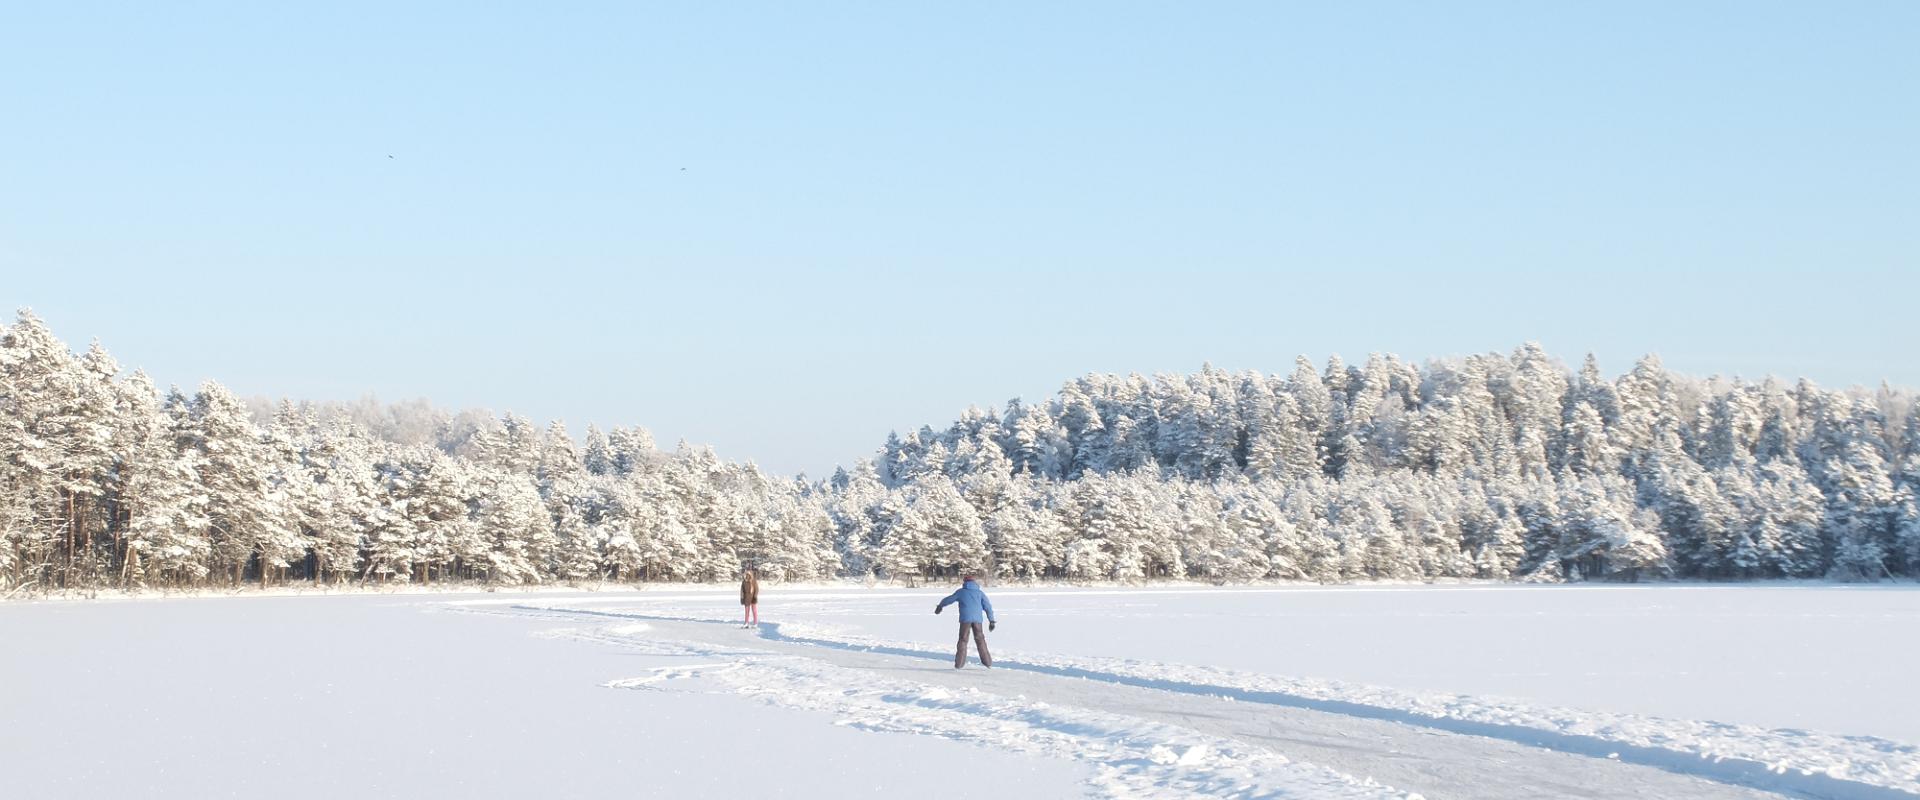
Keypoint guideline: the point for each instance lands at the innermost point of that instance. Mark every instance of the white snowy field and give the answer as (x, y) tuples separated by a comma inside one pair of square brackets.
[(1735, 691), (353, 696), (1840, 658)]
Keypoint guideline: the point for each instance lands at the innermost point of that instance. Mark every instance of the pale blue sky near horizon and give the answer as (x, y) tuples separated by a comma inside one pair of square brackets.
[(786, 229)]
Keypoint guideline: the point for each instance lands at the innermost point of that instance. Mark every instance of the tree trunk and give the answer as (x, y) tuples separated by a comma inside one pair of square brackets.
[(67, 578), (116, 554)]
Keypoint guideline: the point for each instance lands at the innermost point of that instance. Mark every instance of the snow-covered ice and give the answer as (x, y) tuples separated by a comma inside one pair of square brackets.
[(1694, 691), (1817, 656), (367, 697)]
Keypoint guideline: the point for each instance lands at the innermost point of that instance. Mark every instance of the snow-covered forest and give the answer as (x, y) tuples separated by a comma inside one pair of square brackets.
[(1494, 466)]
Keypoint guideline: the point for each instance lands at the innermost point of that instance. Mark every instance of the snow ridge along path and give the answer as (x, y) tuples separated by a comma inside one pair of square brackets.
[(1170, 730)]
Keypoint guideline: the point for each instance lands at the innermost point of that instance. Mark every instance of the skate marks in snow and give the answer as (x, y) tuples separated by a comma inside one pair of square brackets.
[(1804, 763), (1130, 758), (1801, 762), (1434, 763)]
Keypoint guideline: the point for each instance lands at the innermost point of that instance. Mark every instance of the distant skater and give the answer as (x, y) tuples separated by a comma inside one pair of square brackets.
[(750, 598), (975, 608)]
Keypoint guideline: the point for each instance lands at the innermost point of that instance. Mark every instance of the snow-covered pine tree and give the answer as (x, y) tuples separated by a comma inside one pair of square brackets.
[(250, 526), (165, 509), (597, 456)]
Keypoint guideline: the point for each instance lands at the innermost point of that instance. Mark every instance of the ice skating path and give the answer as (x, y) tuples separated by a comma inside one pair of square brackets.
[(1431, 759)]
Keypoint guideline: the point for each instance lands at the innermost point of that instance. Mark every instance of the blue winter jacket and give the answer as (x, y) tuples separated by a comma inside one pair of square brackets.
[(972, 602)]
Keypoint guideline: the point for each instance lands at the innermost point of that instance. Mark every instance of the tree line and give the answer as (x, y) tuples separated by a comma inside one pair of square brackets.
[(1495, 466)]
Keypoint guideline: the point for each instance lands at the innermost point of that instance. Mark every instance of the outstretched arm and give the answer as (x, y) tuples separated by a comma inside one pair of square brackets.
[(952, 598)]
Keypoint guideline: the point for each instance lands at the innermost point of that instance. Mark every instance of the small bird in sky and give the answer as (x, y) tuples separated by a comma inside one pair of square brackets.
[(389, 155), (683, 169)]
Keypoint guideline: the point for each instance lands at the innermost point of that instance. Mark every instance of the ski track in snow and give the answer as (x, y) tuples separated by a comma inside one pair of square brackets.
[(1132, 759), (1806, 762), (1437, 744)]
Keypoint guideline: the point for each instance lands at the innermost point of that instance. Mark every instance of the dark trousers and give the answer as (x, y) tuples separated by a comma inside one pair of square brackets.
[(979, 641)]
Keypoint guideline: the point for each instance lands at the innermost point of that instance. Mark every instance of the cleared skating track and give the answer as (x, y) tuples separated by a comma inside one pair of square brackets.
[(1424, 758)]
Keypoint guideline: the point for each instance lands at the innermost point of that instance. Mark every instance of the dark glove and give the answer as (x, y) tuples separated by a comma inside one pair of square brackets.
[(992, 625), (936, 609)]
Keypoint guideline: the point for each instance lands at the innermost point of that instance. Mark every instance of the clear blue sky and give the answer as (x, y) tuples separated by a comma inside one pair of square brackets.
[(785, 229)]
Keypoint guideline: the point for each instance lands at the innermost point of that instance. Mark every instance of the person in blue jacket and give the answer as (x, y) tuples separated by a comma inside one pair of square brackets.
[(974, 609)]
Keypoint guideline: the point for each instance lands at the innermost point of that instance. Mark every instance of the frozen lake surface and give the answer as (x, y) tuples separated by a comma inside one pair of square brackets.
[(381, 696), (1836, 658), (1608, 691)]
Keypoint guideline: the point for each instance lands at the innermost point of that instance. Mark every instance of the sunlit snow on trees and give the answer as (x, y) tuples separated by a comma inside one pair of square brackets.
[(1498, 467)]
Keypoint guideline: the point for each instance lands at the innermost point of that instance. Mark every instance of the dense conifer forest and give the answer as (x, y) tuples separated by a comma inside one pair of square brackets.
[(1503, 467)]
